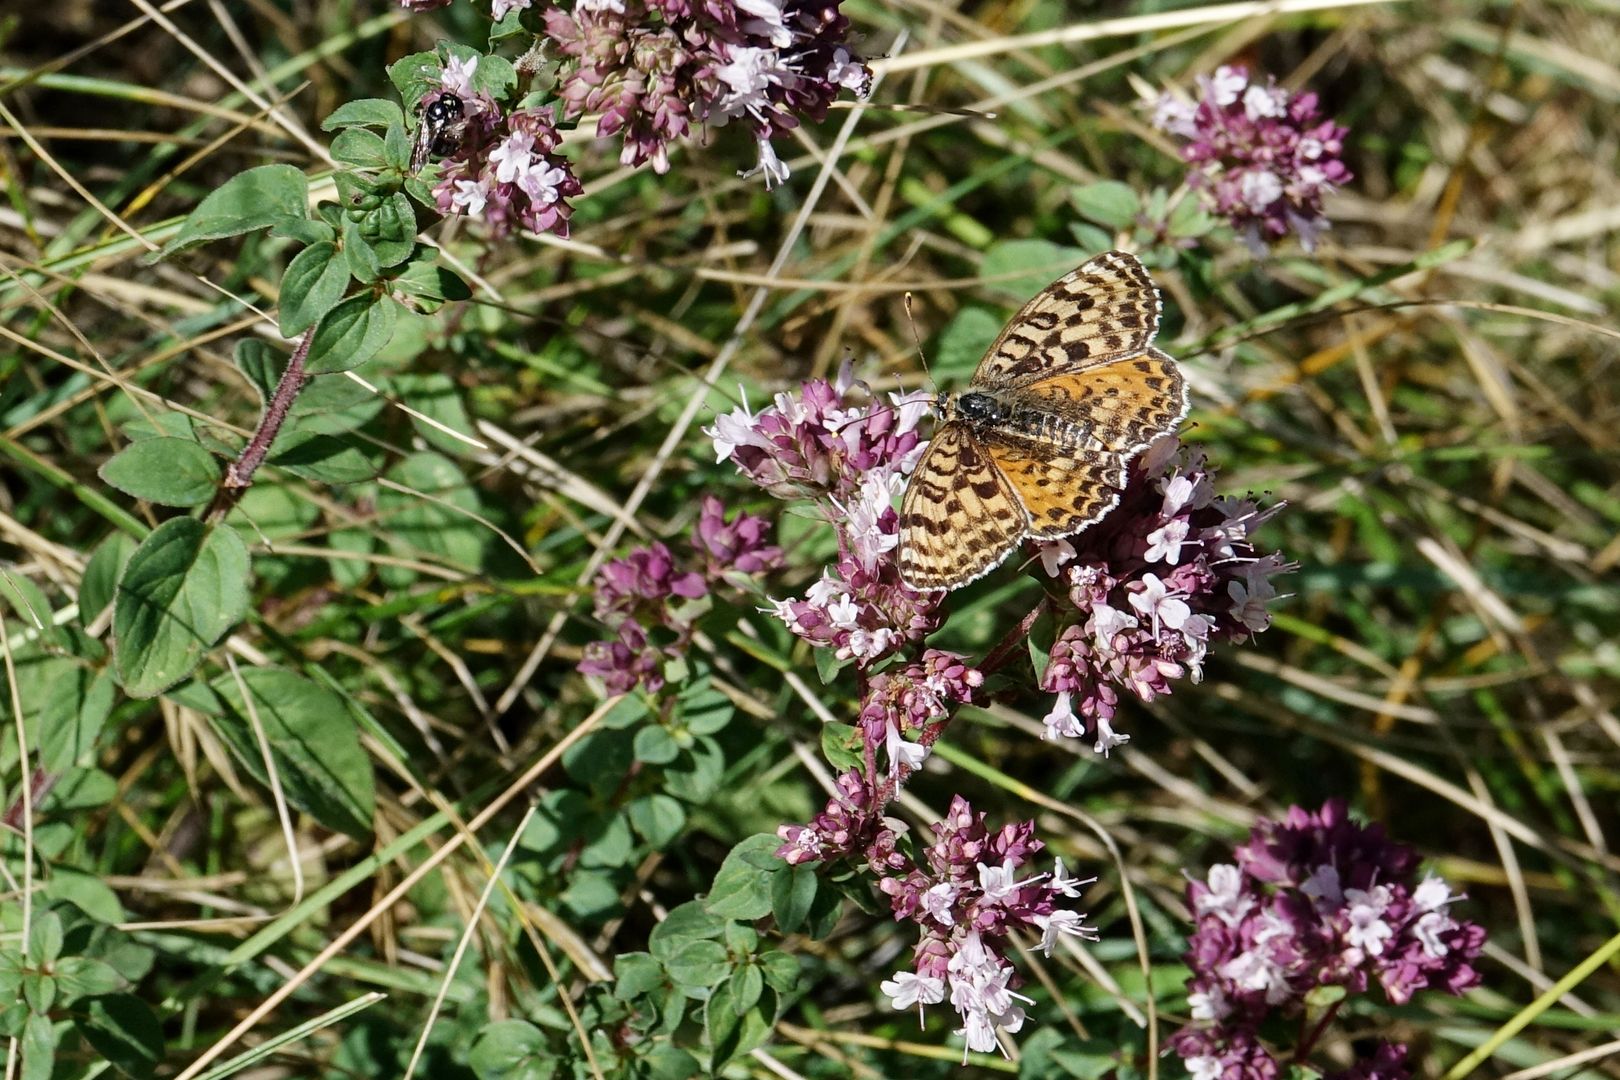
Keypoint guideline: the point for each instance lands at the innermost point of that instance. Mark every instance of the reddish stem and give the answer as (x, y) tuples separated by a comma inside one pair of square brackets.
[(239, 474)]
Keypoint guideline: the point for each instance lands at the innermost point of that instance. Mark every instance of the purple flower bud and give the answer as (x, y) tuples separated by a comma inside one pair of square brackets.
[(1170, 571), (1263, 158), (740, 546), (655, 70), (504, 169), (1387, 1062), (1310, 901)]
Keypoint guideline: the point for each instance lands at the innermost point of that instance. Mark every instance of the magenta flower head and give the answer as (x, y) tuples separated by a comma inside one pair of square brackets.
[(1386, 1062), (504, 169), (1263, 157), (829, 442), (741, 546), (1172, 570), (1314, 900), (650, 598), (658, 70)]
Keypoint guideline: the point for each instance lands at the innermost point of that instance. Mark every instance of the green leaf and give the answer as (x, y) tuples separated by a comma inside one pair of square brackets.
[(841, 746), (746, 986), (80, 789), (1109, 203), (658, 818), (742, 886), (432, 526), (963, 343), (699, 773), (397, 147), (325, 459), (255, 199), (665, 1061), (76, 707), (828, 665), (312, 285), (698, 964), (305, 230), (1018, 269), (101, 573), (350, 334), (1189, 219), (732, 1032), (793, 892), (390, 229), (313, 741), (364, 112), (511, 1050), (125, 1031), (654, 746), (636, 974), (687, 923), (414, 75), (610, 844), (781, 970), (360, 148), (87, 892), (359, 255), (45, 939), (167, 471), (704, 710), (83, 976), (436, 396), (38, 1048), (182, 589), (426, 286)]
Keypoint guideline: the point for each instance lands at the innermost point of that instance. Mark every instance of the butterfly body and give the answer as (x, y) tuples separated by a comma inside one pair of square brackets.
[(1038, 443)]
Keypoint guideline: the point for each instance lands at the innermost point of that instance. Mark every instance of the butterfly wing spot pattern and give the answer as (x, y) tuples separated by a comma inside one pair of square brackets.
[(1039, 442)]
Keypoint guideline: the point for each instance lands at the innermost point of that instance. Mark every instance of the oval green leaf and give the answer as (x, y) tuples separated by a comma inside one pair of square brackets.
[(255, 199), (312, 286), (314, 743), (350, 334), (169, 471), (182, 589)]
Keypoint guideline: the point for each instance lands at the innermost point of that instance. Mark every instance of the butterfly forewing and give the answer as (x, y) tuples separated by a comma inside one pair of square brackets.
[(1075, 390), (1106, 309), (959, 517)]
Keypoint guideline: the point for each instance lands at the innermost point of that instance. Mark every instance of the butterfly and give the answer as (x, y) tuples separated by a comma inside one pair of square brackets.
[(1038, 443)]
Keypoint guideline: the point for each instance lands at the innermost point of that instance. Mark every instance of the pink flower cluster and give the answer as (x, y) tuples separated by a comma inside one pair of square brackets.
[(914, 700), (966, 897), (1263, 157), (656, 70), (1171, 570), (852, 457), (640, 597), (504, 170), (1315, 900)]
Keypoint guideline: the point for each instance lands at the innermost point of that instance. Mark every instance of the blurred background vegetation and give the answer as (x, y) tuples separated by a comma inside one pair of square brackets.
[(1445, 439)]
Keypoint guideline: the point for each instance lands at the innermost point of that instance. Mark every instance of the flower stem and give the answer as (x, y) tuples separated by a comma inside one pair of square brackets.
[(1302, 1051), (239, 474), (1015, 637)]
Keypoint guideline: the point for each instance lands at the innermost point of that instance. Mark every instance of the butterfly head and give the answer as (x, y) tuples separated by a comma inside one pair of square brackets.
[(975, 408)]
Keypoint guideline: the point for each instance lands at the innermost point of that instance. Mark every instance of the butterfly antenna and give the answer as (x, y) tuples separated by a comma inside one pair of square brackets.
[(917, 338)]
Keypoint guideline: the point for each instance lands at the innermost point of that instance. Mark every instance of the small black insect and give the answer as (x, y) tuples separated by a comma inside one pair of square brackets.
[(439, 134)]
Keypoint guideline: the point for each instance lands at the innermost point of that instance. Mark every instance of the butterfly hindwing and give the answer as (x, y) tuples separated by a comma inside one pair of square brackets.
[(959, 518), (1106, 309), (1062, 492)]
